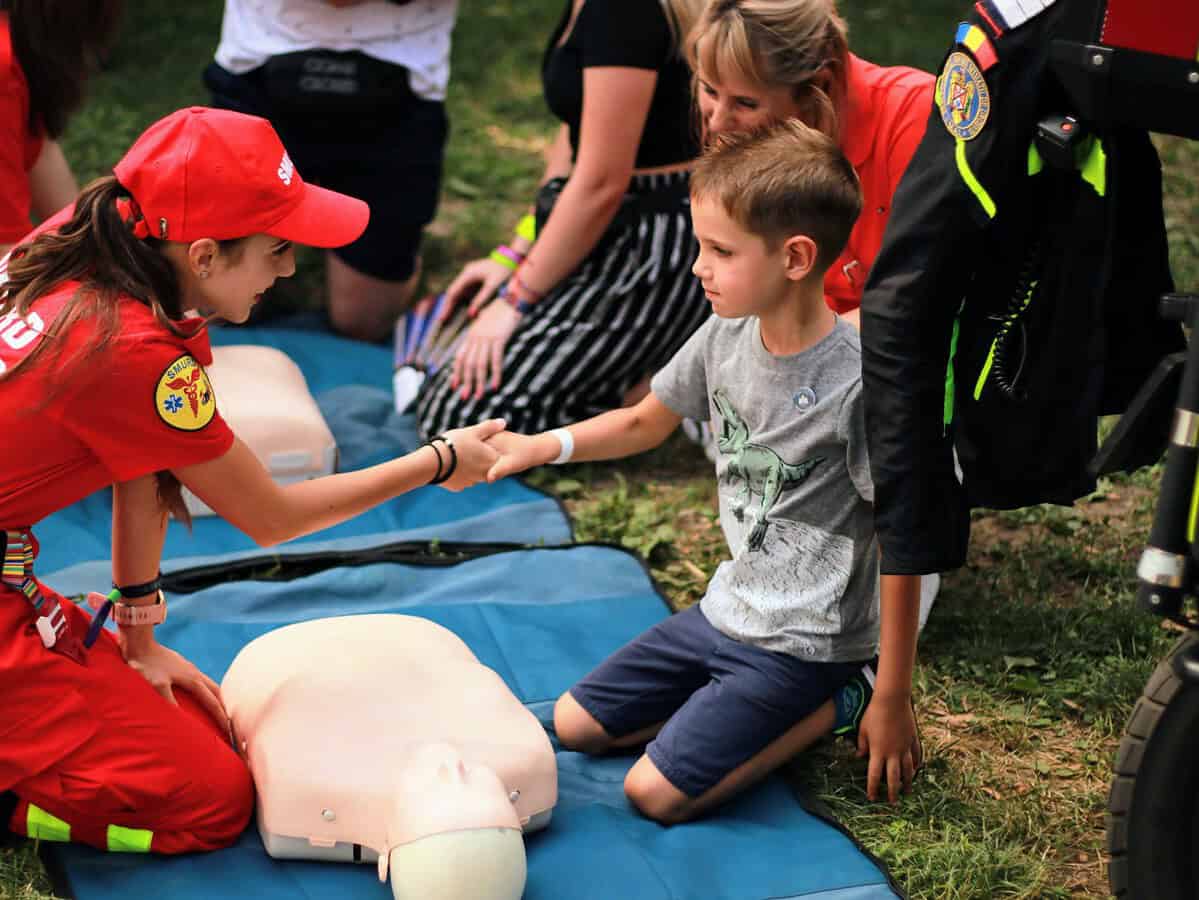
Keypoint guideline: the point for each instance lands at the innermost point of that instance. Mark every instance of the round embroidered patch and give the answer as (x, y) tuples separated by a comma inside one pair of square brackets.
[(183, 397), (963, 97)]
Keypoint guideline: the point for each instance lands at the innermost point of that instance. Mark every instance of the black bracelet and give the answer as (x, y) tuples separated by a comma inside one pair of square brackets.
[(436, 479), (442, 477), (133, 591)]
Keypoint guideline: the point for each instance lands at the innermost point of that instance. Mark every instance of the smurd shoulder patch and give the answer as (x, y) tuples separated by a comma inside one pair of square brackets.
[(183, 397), (963, 97)]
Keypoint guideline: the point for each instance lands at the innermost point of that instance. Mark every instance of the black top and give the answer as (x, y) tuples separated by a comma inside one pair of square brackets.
[(1036, 284), (631, 33)]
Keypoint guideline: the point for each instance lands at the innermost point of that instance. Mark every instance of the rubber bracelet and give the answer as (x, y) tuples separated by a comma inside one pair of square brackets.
[(442, 477), (532, 295), (566, 439), (436, 479), (133, 591), (527, 228), (506, 257), (521, 306)]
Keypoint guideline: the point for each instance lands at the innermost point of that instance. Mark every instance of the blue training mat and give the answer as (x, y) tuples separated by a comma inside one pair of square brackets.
[(352, 384), (541, 618)]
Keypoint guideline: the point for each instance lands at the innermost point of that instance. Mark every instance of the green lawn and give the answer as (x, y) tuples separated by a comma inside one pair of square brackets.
[(1034, 654)]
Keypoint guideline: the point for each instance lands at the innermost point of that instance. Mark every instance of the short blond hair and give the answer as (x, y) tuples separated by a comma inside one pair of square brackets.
[(782, 181), (775, 43)]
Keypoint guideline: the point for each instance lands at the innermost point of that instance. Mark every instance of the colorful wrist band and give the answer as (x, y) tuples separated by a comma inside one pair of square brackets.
[(532, 295), (527, 228), (566, 439), (506, 257), (521, 306)]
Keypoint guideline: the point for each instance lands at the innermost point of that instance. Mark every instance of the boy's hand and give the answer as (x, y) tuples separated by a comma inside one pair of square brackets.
[(519, 452), (888, 735)]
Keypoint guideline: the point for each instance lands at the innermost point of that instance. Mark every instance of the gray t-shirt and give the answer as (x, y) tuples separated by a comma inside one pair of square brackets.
[(794, 483)]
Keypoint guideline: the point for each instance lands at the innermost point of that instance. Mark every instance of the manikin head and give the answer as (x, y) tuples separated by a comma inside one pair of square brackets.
[(454, 833)]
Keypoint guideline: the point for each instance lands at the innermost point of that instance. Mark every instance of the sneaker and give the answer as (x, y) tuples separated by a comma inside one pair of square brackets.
[(853, 698), (701, 433)]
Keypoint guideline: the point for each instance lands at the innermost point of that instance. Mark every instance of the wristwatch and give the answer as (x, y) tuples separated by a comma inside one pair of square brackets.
[(146, 614)]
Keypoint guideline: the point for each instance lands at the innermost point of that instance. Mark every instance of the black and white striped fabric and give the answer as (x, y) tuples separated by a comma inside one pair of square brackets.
[(616, 319)]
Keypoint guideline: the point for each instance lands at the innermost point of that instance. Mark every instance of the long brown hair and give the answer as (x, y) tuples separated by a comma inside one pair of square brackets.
[(57, 44), (96, 247)]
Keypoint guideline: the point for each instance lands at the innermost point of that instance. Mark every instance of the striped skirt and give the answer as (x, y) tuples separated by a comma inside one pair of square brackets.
[(619, 317)]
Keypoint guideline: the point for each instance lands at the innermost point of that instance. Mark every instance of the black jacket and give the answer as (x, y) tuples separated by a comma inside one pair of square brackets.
[(1013, 301)]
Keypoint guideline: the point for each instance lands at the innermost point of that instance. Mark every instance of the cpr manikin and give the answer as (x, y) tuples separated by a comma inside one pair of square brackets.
[(264, 397), (382, 737)]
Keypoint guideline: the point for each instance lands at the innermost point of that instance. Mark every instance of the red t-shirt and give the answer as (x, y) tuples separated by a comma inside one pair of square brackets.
[(77, 420), (19, 147), (888, 109)]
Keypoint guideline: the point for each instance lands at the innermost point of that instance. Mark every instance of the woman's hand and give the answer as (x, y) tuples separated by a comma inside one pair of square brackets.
[(483, 349), (475, 456), (165, 670), (485, 275)]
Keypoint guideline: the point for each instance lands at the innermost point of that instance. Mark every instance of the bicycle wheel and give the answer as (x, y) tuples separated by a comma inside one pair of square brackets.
[(1153, 808)]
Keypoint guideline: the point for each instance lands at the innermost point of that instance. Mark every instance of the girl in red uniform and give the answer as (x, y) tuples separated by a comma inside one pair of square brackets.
[(115, 740)]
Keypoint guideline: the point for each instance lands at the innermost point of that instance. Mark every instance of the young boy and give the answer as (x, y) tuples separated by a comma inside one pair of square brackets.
[(731, 688)]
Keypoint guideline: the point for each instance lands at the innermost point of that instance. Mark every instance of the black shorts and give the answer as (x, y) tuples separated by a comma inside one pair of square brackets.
[(392, 161)]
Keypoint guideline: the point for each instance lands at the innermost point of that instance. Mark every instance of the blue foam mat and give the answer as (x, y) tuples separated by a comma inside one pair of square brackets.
[(352, 384), (541, 619)]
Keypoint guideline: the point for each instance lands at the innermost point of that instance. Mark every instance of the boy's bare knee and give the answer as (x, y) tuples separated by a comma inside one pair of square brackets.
[(577, 729), (654, 796)]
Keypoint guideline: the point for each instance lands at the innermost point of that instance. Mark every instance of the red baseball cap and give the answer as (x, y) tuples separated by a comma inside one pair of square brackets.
[(214, 173)]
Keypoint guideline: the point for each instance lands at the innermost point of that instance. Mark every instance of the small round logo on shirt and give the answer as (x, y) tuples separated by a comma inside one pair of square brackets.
[(804, 399), (183, 397), (963, 97)]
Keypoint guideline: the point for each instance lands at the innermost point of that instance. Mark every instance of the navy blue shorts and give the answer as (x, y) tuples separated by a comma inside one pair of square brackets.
[(722, 701), (394, 163)]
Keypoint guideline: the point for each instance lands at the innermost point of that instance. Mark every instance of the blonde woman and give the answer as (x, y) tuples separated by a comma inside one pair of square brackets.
[(604, 295), (759, 61)]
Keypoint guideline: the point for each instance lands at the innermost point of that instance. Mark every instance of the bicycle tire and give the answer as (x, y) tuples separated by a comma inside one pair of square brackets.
[(1153, 806)]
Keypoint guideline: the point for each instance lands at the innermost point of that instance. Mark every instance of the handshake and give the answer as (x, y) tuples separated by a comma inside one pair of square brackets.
[(487, 452)]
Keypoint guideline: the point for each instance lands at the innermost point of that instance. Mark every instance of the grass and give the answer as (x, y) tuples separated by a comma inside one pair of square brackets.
[(1034, 654)]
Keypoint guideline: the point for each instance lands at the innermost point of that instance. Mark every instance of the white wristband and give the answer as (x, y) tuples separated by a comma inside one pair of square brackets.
[(566, 439)]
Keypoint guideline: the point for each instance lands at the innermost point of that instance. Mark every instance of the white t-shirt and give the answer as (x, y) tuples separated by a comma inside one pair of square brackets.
[(415, 35)]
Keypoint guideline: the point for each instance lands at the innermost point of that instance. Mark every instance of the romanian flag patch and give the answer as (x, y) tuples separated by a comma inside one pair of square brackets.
[(973, 39)]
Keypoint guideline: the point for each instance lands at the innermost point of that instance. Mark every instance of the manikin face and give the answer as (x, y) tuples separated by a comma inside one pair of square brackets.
[(454, 833), (731, 104), (741, 274), (235, 283)]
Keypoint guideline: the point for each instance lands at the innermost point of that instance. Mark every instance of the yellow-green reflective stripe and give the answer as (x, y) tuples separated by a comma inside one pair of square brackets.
[(1035, 163), (129, 840), (42, 826), (1094, 168), (982, 376), (1194, 510), (973, 183), (950, 384)]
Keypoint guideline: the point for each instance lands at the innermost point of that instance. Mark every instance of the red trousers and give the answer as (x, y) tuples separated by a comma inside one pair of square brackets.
[(98, 750)]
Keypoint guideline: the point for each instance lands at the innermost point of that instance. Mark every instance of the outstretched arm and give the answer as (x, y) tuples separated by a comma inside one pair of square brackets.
[(241, 491), (611, 435)]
